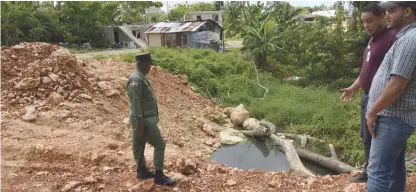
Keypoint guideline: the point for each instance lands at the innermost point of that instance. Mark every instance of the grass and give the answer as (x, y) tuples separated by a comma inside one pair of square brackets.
[(82, 50), (230, 78)]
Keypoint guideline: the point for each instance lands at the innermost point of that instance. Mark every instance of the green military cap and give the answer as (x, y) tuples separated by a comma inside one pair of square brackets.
[(143, 57)]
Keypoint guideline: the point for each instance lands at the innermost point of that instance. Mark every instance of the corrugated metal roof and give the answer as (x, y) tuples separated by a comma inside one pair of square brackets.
[(165, 27)]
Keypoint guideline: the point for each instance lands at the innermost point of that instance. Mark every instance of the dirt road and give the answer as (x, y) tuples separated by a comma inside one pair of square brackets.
[(109, 52)]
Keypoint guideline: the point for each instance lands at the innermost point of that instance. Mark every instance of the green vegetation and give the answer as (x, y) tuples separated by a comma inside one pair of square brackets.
[(79, 51), (230, 78)]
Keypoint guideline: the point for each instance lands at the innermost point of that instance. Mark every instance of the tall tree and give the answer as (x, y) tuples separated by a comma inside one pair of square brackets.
[(135, 11), (232, 20)]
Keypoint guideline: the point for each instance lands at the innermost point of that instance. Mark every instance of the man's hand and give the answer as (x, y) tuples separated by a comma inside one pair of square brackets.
[(347, 94), (371, 120)]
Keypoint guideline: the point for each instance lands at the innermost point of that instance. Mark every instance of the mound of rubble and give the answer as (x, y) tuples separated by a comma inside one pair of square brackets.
[(44, 75)]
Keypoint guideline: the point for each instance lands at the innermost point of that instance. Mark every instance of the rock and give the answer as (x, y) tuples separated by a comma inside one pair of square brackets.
[(60, 52), (53, 77), (60, 90), (90, 72), (120, 153), (231, 136), (11, 95), (273, 184), (85, 96), (187, 166), (251, 124), (89, 180), (209, 143), (71, 185), (126, 121), (46, 80), (107, 169), (96, 158), (78, 189), (227, 111), (217, 145), (239, 115), (231, 183), (27, 83), (107, 90), (101, 187), (64, 114), (55, 99), (42, 173), (184, 79), (30, 114), (208, 130)]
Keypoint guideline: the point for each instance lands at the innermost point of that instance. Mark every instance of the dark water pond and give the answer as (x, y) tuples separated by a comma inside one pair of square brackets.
[(255, 154)]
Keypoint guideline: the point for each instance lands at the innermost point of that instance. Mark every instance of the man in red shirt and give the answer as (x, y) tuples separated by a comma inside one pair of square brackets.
[(381, 41)]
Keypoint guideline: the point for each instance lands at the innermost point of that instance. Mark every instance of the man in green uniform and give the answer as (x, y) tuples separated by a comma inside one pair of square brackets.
[(144, 118)]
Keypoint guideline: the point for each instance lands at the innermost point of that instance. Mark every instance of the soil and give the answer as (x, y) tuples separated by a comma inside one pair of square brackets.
[(80, 140)]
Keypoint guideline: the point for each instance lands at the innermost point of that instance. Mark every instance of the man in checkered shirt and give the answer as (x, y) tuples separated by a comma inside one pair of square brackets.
[(391, 110)]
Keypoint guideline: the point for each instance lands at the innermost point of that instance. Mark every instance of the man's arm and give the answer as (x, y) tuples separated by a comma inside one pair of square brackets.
[(390, 94), (135, 93), (348, 93), (356, 84)]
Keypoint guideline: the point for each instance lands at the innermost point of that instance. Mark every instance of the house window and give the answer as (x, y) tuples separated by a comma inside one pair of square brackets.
[(136, 33), (215, 17), (198, 17)]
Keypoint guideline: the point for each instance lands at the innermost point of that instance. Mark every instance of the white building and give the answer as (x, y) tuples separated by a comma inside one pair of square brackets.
[(205, 15), (329, 13)]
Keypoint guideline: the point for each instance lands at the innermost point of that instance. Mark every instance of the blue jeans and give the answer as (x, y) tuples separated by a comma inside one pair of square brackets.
[(386, 170), (364, 133)]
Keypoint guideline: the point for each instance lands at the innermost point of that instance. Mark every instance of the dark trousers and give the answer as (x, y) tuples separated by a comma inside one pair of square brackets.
[(364, 133)]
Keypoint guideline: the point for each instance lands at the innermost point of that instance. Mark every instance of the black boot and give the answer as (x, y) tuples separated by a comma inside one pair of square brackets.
[(162, 179), (361, 178), (144, 173)]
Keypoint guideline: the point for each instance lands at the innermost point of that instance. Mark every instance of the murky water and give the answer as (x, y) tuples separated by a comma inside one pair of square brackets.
[(256, 155)]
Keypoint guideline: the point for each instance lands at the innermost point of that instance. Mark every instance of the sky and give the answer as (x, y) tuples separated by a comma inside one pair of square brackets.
[(171, 4)]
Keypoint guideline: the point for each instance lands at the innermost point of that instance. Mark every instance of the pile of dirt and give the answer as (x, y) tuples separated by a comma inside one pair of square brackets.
[(33, 73), (46, 75)]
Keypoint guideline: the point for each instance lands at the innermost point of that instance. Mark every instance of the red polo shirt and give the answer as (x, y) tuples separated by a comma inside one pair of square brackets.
[(374, 54)]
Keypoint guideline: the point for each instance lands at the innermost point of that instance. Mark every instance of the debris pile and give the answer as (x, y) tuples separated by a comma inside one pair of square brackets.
[(41, 74)]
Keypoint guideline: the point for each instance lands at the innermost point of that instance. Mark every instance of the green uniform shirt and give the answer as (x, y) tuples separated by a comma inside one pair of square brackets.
[(142, 99)]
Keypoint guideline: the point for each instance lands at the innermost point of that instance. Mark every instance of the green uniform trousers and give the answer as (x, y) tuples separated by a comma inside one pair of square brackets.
[(151, 135)]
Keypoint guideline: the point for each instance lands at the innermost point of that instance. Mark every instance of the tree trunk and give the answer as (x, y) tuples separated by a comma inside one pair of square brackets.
[(295, 165), (329, 163), (259, 132)]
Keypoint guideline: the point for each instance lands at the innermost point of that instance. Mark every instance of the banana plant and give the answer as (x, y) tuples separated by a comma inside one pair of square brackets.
[(259, 33)]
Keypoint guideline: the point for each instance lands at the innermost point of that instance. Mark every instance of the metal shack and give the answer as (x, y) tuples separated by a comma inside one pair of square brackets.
[(192, 34)]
